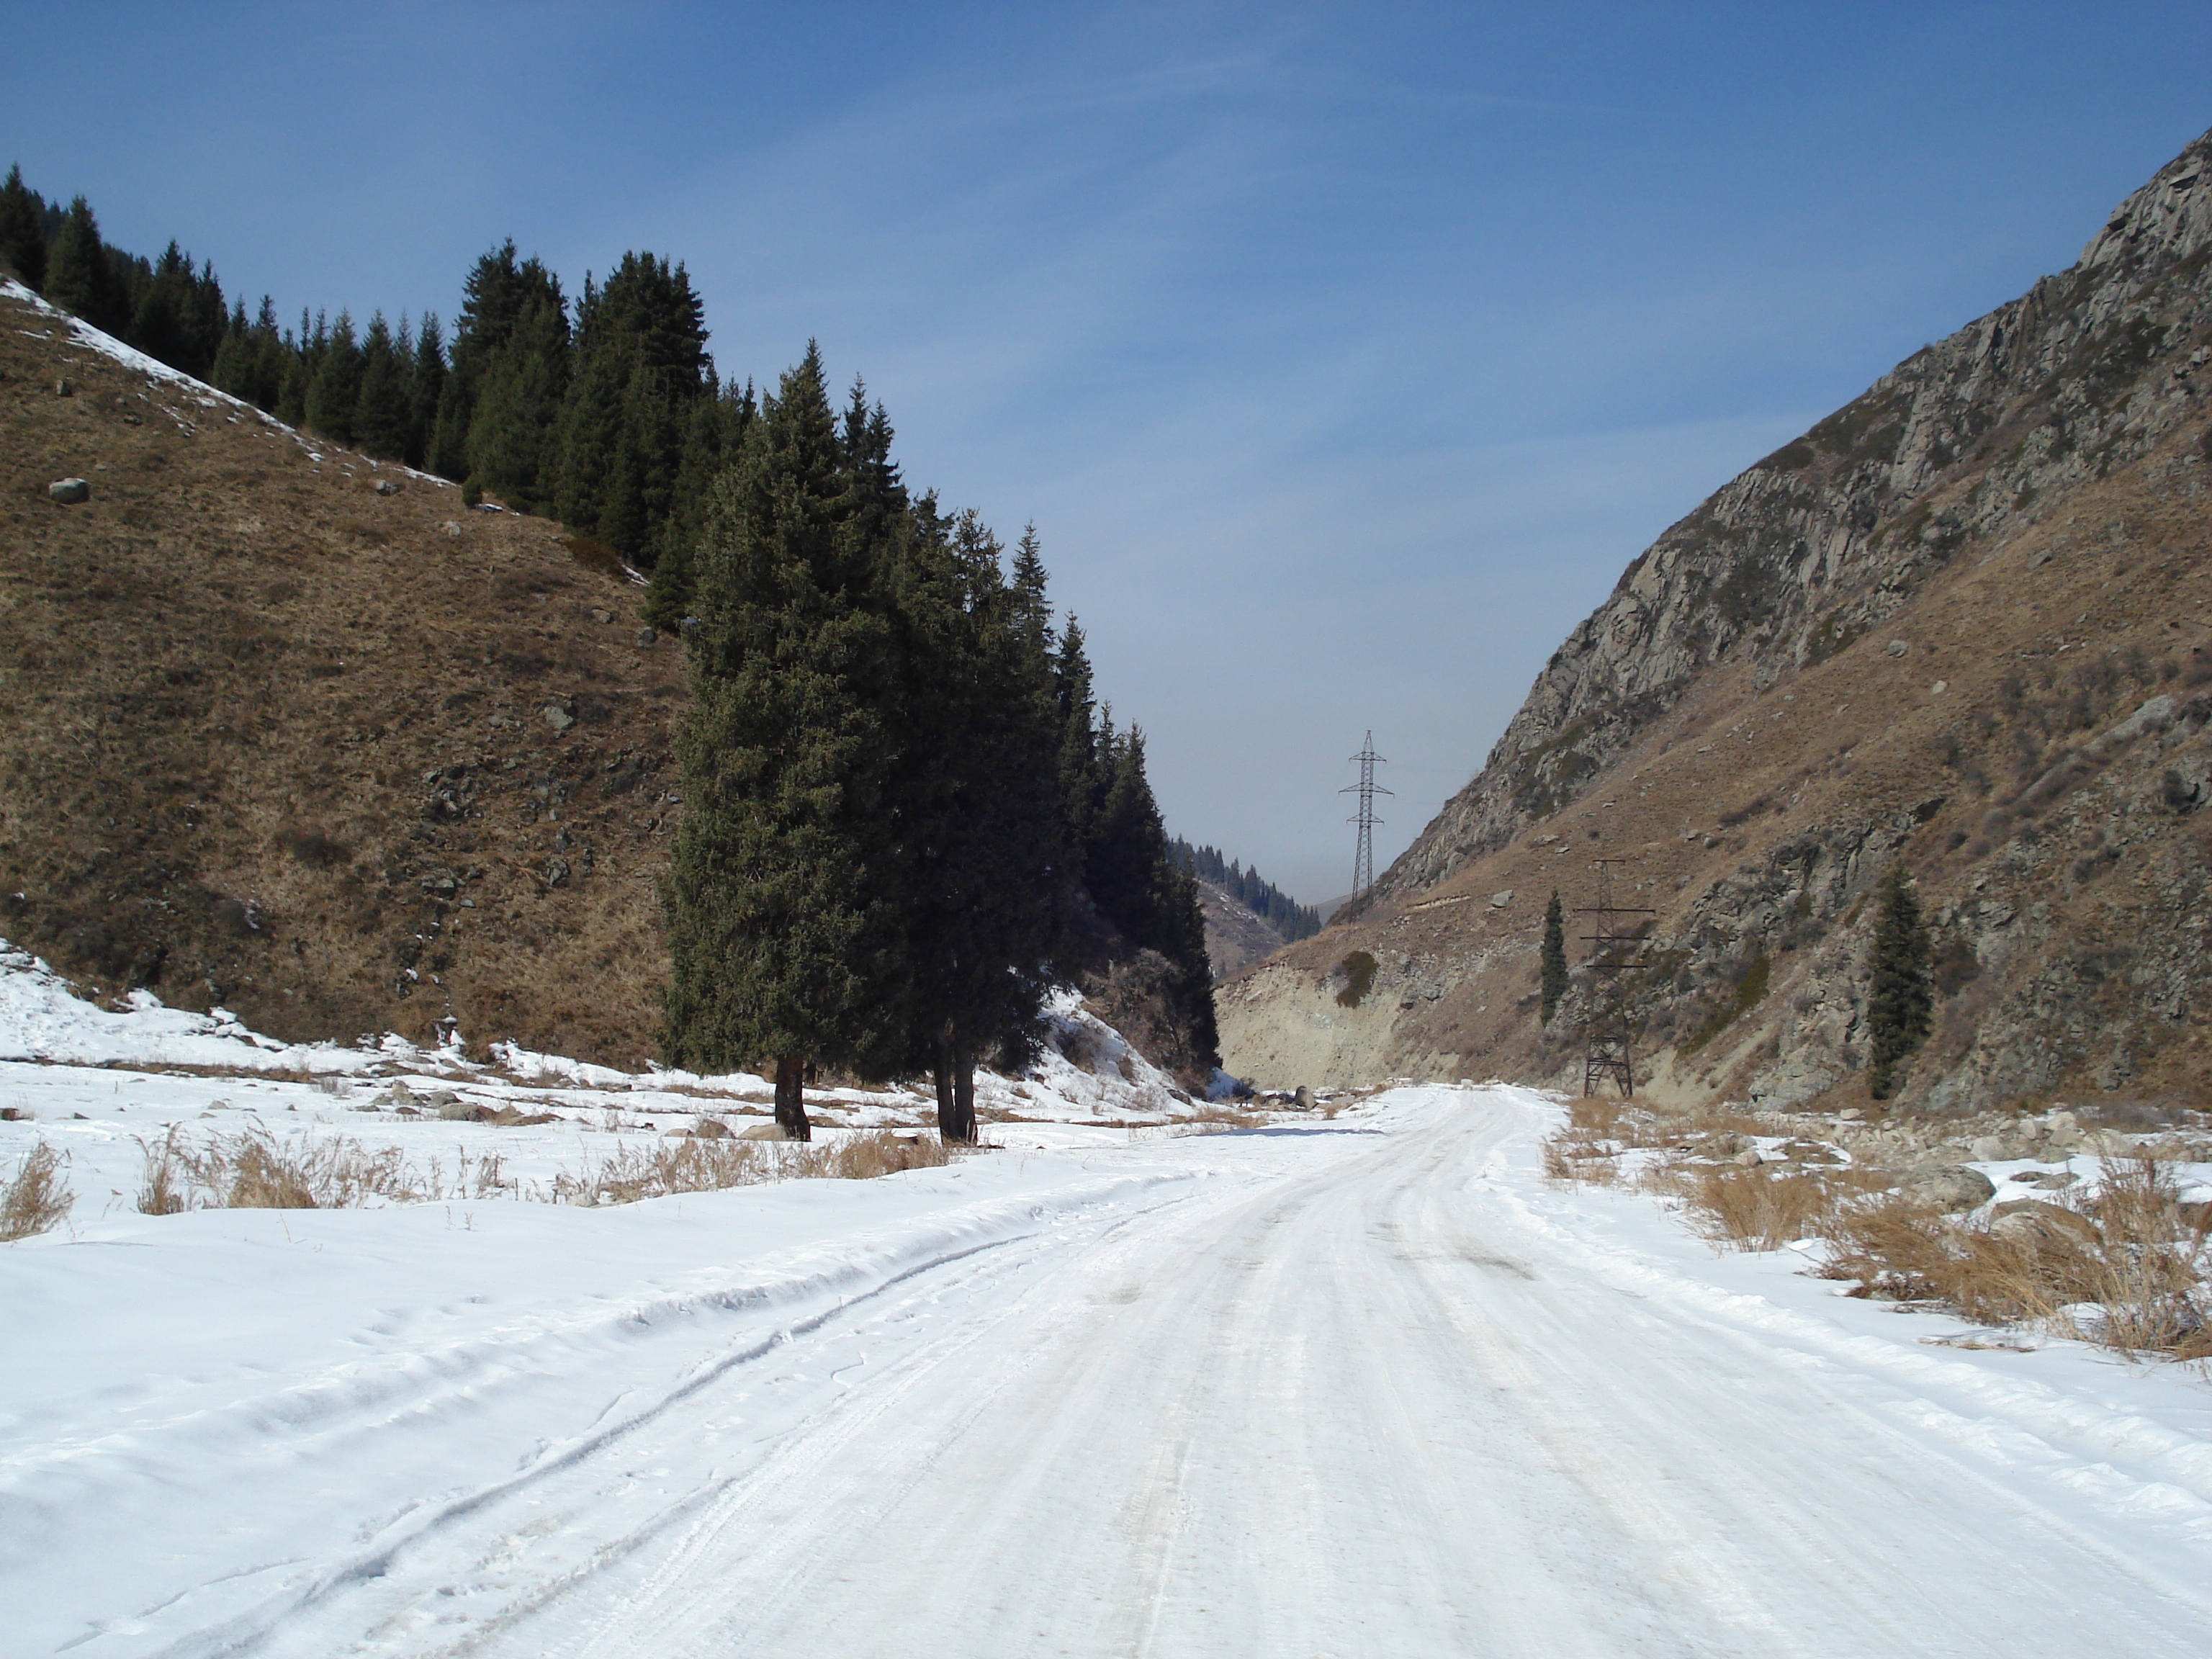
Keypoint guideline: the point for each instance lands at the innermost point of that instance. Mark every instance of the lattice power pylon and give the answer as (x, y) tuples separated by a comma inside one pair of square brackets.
[(1610, 1030), (1362, 868)]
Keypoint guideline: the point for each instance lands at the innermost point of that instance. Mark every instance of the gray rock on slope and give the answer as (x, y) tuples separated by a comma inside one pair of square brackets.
[(1954, 1187)]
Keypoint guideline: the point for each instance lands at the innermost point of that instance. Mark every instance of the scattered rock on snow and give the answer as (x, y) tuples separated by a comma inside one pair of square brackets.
[(1951, 1186), (2033, 1221), (763, 1132)]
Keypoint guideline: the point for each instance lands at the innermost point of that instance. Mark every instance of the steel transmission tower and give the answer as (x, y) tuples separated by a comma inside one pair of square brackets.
[(1611, 1027), (1363, 869)]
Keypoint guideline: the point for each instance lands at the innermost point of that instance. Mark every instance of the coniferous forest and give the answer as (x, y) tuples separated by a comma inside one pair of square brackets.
[(1292, 919), (908, 818)]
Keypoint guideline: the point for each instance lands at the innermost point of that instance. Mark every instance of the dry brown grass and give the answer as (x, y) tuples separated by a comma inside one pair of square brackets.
[(36, 1199), (2130, 1273), (263, 669), (689, 1165), (252, 1170), (2135, 1279), (1211, 1117)]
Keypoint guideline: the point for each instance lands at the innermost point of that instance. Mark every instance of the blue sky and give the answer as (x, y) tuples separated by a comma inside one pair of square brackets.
[(1342, 355)]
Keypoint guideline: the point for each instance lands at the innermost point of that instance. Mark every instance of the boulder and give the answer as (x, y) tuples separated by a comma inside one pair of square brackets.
[(70, 492), (1987, 1150), (386, 487), (2033, 1221), (558, 717), (763, 1132), (646, 636), (1951, 1186)]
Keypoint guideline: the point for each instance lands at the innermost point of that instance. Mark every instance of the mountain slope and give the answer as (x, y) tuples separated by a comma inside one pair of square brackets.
[(1955, 623), (342, 760), (1235, 937)]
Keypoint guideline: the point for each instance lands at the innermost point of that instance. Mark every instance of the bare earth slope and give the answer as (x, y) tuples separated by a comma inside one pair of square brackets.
[(1957, 624), (342, 761), (1235, 937)]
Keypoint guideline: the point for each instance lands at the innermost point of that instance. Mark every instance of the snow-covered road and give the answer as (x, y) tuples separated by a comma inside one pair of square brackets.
[(1364, 1388)]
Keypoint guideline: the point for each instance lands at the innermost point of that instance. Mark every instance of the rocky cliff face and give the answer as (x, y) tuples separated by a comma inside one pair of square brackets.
[(1829, 536), (1958, 623)]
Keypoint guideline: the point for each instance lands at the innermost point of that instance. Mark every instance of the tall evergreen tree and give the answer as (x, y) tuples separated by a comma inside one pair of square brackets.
[(1081, 784), (384, 405), (986, 874), (640, 365), (80, 278), (715, 427), (512, 441), (1900, 1002), (425, 388), (784, 934), (22, 231), (499, 293), (334, 392), (1554, 968)]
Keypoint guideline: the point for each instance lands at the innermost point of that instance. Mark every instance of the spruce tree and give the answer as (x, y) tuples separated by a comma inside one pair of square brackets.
[(640, 366), (512, 439), (22, 232), (334, 392), (1080, 783), (80, 278), (715, 427), (986, 875), (1554, 969), (426, 389), (1900, 1003), (272, 357), (383, 412), (784, 933)]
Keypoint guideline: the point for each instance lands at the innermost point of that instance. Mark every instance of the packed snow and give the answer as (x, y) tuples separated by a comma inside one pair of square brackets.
[(1354, 1384)]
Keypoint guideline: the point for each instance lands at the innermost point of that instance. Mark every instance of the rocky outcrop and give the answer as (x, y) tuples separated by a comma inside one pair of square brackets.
[(1827, 538), (1959, 628)]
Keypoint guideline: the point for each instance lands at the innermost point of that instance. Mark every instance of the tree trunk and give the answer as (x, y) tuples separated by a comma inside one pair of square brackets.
[(791, 1098), (963, 1096), (943, 1072)]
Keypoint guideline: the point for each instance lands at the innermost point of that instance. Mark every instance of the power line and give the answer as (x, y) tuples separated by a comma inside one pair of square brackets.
[(1611, 1027), (1362, 868)]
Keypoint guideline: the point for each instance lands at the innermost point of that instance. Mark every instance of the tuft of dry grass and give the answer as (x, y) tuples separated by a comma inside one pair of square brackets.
[(162, 1190), (2134, 1279), (252, 1170), (690, 1165), (1761, 1206), (1213, 1116), (36, 1199)]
